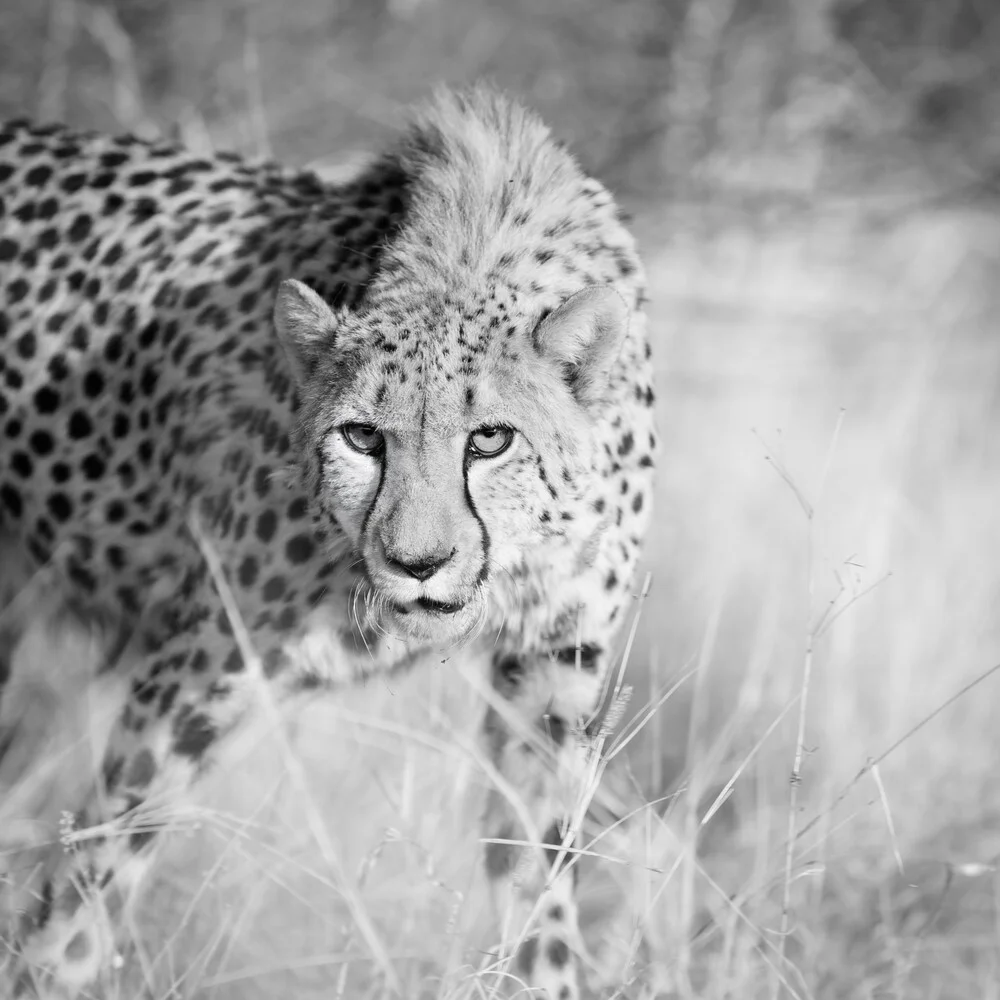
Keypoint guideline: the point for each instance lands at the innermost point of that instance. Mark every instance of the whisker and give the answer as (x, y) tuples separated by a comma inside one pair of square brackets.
[(516, 592), (356, 592), (482, 617), (371, 601)]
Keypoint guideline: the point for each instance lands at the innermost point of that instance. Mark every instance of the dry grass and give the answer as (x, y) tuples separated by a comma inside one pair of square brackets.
[(822, 563)]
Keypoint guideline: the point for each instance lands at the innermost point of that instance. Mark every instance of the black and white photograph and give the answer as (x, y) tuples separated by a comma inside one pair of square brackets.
[(499, 499)]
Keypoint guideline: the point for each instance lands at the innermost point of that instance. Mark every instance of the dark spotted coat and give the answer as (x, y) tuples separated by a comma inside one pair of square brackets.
[(142, 385)]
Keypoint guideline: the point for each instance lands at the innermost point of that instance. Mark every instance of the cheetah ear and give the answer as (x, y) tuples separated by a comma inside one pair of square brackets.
[(583, 337), (305, 325)]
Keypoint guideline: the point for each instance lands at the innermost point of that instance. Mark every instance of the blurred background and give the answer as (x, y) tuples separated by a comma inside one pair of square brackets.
[(816, 187)]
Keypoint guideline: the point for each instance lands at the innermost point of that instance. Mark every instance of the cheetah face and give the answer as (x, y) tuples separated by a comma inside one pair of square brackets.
[(441, 474), (418, 505)]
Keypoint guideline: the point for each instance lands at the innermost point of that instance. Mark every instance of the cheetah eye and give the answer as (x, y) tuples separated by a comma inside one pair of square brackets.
[(365, 438), (488, 442)]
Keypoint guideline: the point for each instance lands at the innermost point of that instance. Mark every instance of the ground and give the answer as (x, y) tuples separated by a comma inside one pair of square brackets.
[(827, 395)]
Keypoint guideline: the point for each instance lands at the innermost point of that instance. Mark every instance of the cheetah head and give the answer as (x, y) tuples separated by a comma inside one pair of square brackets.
[(444, 447)]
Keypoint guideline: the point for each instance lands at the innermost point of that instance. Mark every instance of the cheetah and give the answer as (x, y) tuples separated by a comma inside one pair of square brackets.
[(411, 411)]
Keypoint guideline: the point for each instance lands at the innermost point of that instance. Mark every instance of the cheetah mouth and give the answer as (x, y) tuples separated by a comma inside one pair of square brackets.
[(426, 604), (443, 623)]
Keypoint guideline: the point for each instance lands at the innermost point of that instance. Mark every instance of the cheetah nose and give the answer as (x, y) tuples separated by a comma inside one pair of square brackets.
[(422, 568)]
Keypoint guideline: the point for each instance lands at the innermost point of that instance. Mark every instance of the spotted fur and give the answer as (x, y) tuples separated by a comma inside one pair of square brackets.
[(192, 350)]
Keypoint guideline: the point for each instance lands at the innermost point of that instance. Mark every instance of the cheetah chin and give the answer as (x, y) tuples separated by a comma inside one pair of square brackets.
[(446, 624)]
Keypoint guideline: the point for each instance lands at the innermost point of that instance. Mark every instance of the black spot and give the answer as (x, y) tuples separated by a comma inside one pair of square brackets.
[(297, 509), (146, 208), (557, 952), (113, 159), (26, 344), (168, 698), (222, 622), (274, 588), (38, 176), (287, 619), (148, 381), (41, 442), (80, 229), (262, 481), (82, 577), (238, 276), (61, 472), (527, 955), (556, 914), (587, 651), (233, 663), (299, 549), (508, 672), (193, 733), (196, 296), (274, 660), (8, 250), (267, 524), (60, 507), (248, 572), (26, 212), (128, 279), (199, 661), (11, 499), (114, 347), (555, 728), (637, 503), (112, 203), (79, 425), (93, 466), (147, 336), (46, 400), (111, 770), (142, 769), (22, 464), (113, 255), (80, 338), (93, 384)]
